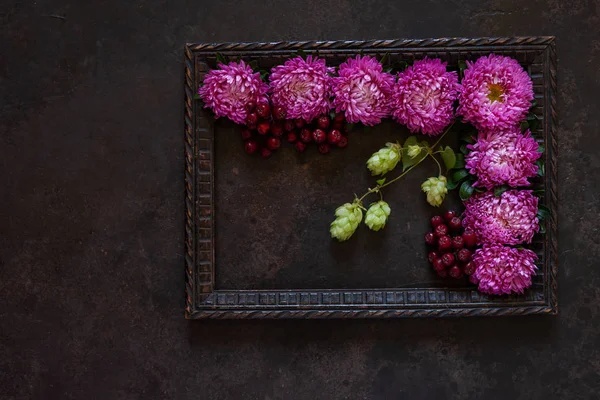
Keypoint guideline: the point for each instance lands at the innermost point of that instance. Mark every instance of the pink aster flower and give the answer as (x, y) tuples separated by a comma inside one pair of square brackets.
[(229, 90), (302, 87), (503, 157), (502, 269), (510, 218), (424, 96), (496, 92), (362, 90)]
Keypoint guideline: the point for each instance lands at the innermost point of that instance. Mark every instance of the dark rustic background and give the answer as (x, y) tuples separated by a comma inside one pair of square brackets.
[(91, 216)]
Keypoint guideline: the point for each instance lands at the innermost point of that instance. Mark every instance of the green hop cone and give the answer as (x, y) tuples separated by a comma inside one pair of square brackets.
[(414, 150), (384, 160), (377, 215), (347, 218), (436, 190)]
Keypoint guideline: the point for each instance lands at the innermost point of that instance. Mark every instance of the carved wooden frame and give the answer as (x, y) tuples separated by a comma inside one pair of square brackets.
[(203, 300)]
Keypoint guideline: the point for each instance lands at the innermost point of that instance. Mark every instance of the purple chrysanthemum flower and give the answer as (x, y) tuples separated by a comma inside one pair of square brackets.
[(362, 90), (502, 269), (495, 92), (510, 218), (229, 90), (503, 157), (302, 87), (424, 96)]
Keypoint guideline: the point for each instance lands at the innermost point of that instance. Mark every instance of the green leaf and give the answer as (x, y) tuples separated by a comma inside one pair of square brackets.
[(460, 160), (539, 192), (533, 103), (533, 121), (221, 59), (543, 212), (302, 53), (381, 181), (408, 161), (462, 65), (449, 158), (500, 189), (464, 150), (541, 169), (459, 175), (264, 75), (254, 65), (541, 149), (451, 185), (542, 228), (197, 96), (465, 191), (385, 58), (400, 66), (524, 126)]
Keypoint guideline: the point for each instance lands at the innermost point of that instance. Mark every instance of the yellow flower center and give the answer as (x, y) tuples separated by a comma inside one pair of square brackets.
[(496, 92)]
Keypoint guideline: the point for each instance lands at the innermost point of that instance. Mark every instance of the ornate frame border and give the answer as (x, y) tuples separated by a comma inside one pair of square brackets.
[(203, 300)]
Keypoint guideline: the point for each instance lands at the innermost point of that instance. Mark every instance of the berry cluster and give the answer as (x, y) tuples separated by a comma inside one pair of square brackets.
[(452, 254), (265, 127)]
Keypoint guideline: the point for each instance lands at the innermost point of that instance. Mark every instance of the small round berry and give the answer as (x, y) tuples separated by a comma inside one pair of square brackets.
[(252, 119), (300, 146), (438, 264), (455, 272), (464, 255), (299, 122), (448, 259), (264, 127), (469, 269), (444, 244), (455, 223), (246, 134), (250, 106), (430, 238), (343, 142), (442, 273), (306, 135), (292, 137), (289, 125), (323, 122), (448, 215), (277, 128), (324, 148), (432, 256), (458, 242), (441, 230), (319, 136), (279, 113), (334, 136), (263, 110), (265, 153), (273, 143), (436, 220), (339, 117), (470, 238), (250, 146)]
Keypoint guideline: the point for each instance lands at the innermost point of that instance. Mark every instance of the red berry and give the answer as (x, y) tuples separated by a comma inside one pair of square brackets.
[(444, 244), (339, 117), (279, 113), (273, 143), (319, 136), (448, 259), (343, 142), (265, 153), (334, 136), (250, 146), (458, 242), (441, 230), (289, 125), (436, 220), (338, 125), (251, 126), (251, 119), (263, 110), (324, 148), (306, 135), (323, 122), (246, 134), (300, 146), (292, 137), (432, 256), (250, 106), (277, 128), (264, 127), (470, 238), (442, 273), (430, 238), (438, 264), (299, 122), (464, 255), (455, 223), (455, 272), (448, 215), (469, 269)]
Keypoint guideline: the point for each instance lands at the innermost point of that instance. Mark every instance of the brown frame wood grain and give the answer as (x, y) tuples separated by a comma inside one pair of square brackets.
[(204, 300)]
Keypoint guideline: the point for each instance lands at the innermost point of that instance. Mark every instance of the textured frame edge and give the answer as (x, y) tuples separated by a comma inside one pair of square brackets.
[(546, 43)]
